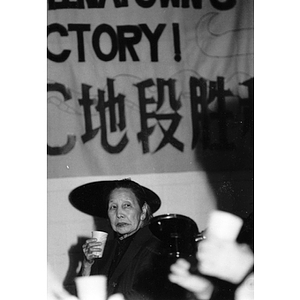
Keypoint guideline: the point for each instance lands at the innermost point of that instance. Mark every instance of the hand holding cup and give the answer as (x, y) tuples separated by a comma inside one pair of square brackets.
[(223, 226), (93, 248), (219, 254)]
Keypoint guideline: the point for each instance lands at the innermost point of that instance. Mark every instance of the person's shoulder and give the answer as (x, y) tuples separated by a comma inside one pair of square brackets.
[(152, 243)]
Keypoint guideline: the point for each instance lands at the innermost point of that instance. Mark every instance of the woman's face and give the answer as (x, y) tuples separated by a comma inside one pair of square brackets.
[(124, 212)]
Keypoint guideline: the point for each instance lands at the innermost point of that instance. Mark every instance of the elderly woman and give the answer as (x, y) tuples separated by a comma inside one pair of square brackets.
[(129, 260)]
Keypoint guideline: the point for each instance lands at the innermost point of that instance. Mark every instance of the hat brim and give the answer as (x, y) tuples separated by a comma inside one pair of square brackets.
[(91, 198)]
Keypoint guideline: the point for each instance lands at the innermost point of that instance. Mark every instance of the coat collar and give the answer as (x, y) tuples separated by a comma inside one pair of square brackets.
[(142, 236)]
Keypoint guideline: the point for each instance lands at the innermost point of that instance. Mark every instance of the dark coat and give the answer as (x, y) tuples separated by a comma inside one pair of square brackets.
[(136, 275)]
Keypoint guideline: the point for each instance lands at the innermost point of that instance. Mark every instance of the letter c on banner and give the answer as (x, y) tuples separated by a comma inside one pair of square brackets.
[(71, 139), (63, 56)]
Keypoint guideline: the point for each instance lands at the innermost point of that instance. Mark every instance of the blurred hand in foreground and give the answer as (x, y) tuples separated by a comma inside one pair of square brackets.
[(226, 260), (201, 287)]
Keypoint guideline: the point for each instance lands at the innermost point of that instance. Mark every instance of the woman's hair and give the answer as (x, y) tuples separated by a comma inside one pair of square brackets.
[(139, 193)]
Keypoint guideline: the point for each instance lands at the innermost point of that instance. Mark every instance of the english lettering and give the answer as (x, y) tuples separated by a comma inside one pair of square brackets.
[(63, 56), (122, 41), (82, 4)]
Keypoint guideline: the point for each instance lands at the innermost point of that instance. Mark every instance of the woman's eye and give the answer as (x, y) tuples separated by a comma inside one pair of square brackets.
[(127, 205), (112, 207)]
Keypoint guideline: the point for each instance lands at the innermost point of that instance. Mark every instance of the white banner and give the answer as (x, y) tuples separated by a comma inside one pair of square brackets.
[(147, 86)]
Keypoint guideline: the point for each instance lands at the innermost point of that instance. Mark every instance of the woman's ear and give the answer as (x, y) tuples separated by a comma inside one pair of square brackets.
[(144, 211)]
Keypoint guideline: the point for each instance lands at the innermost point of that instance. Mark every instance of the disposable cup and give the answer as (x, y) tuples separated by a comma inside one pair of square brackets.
[(101, 236), (91, 287), (223, 225)]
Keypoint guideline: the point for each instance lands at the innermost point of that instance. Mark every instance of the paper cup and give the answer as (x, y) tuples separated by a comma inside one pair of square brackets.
[(223, 225), (91, 287), (101, 236)]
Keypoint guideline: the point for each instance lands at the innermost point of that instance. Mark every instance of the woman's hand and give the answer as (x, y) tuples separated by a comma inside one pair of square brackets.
[(90, 249)]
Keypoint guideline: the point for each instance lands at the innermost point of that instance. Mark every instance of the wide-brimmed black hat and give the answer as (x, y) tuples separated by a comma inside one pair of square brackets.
[(92, 198)]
